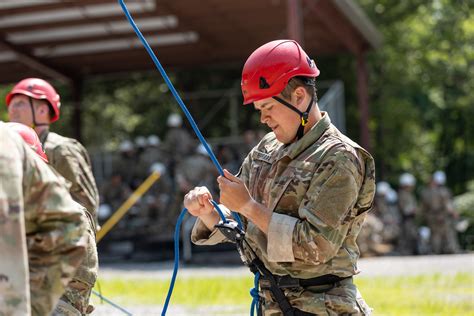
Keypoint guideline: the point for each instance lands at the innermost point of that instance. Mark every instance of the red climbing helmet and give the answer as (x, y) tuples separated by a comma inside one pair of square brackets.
[(37, 89), (30, 137), (269, 68)]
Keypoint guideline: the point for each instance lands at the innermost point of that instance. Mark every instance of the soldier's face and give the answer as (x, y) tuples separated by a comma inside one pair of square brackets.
[(19, 110), (282, 120)]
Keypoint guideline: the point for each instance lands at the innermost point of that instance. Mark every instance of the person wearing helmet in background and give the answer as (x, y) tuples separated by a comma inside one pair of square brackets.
[(41, 228), (407, 205), (178, 143), (303, 191), (125, 163), (385, 209), (153, 152), (439, 213), (35, 103)]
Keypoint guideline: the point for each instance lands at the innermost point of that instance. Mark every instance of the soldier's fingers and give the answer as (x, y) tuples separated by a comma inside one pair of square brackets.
[(222, 180), (231, 177), (204, 199)]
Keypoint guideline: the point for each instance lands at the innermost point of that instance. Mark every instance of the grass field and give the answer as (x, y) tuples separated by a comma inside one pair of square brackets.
[(412, 295)]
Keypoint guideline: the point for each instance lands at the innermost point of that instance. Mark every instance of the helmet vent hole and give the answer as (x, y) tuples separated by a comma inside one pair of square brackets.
[(263, 83)]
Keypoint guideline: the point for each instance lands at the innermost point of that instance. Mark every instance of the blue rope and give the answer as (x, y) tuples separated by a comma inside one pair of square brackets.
[(198, 134), (171, 87), (176, 259), (175, 94), (218, 209), (254, 294), (176, 252)]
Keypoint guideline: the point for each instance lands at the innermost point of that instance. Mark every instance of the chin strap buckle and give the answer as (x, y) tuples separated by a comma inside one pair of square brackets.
[(304, 118)]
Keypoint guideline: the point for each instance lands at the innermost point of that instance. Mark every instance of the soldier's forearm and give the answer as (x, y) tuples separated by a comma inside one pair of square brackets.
[(210, 220), (258, 214)]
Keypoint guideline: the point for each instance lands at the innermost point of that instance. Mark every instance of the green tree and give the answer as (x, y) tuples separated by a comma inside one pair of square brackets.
[(420, 82)]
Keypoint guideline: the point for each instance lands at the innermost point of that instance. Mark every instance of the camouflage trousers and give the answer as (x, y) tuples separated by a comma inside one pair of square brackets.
[(75, 300), (343, 299), (443, 237)]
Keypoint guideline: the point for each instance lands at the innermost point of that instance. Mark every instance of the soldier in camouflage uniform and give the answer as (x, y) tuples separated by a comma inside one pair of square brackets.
[(303, 191), (438, 210), (41, 230), (34, 102), (408, 240)]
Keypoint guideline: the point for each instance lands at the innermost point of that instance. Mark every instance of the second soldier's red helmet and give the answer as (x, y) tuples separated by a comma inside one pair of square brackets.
[(37, 89), (269, 68), (30, 137)]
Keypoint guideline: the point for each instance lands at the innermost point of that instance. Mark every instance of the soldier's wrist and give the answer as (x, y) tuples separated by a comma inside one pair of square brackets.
[(248, 207)]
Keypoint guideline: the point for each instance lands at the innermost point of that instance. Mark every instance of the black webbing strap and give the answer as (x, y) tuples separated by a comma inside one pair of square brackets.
[(287, 281), (303, 115), (278, 294), (30, 99)]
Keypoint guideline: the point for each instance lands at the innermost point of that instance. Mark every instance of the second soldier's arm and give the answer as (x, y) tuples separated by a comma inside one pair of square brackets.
[(55, 231), (72, 162)]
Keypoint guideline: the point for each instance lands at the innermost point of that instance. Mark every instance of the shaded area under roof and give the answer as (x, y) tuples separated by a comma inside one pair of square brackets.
[(74, 39)]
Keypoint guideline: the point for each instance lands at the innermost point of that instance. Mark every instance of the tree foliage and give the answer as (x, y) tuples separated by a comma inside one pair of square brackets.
[(421, 82)]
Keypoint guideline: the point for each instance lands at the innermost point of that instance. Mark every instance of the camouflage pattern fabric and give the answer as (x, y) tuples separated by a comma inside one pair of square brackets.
[(79, 290), (319, 189), (370, 238), (438, 210), (34, 203), (390, 217), (408, 240), (70, 159)]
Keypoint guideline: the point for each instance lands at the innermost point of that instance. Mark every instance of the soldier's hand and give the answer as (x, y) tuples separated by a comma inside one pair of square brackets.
[(197, 202), (234, 193)]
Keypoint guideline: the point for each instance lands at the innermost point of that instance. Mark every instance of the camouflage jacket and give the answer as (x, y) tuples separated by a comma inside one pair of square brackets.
[(41, 230), (436, 203), (319, 189), (407, 203), (72, 161)]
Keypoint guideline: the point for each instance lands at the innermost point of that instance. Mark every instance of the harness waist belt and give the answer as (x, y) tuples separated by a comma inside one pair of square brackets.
[(287, 281)]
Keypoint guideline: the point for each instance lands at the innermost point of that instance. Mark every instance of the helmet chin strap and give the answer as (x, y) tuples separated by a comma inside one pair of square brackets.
[(35, 124), (303, 115)]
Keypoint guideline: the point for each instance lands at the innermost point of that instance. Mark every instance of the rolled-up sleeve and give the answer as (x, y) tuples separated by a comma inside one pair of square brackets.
[(280, 238), (201, 235)]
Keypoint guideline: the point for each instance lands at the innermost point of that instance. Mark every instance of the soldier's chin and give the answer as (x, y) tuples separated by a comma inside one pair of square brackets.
[(282, 139)]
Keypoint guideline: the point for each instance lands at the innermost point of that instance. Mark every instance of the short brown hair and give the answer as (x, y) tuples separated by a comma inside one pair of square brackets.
[(295, 82)]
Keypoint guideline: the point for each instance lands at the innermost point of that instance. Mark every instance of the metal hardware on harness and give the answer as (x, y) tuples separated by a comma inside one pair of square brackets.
[(234, 233), (231, 230)]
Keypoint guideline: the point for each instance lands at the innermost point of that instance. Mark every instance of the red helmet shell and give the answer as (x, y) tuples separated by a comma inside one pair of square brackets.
[(37, 89), (30, 137), (269, 68)]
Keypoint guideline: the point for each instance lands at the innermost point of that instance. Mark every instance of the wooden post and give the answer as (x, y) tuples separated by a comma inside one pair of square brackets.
[(77, 116), (295, 21), (363, 99)]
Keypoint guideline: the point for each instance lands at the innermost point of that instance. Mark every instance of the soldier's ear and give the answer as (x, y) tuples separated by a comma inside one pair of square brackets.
[(300, 94)]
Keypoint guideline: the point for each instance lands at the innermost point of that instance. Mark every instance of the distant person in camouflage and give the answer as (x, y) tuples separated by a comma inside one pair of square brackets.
[(41, 229), (408, 240), (303, 191), (35, 103), (438, 210)]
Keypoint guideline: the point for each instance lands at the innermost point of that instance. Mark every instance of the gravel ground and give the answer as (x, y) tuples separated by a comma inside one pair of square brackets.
[(445, 264)]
